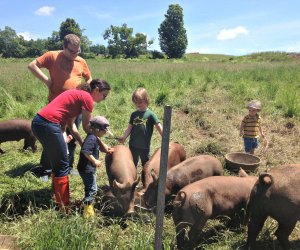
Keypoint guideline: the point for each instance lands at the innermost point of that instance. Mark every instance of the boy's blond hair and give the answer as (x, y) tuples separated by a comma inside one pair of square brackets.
[(255, 104), (141, 94)]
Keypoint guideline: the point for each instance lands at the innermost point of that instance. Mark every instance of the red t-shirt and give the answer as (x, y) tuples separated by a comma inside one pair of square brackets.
[(68, 104)]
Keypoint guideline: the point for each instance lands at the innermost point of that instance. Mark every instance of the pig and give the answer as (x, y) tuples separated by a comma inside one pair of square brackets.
[(186, 172), (176, 155), (15, 130), (122, 176), (275, 194), (107, 203), (206, 199)]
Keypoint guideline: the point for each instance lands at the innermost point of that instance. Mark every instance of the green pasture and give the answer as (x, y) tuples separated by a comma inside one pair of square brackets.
[(208, 95)]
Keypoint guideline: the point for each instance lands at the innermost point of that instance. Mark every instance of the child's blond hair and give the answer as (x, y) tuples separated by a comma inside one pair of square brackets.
[(141, 94)]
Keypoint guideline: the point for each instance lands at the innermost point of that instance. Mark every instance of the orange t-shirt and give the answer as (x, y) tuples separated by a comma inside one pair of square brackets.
[(65, 74)]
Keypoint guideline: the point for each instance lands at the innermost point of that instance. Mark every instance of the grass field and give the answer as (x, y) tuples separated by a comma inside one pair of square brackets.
[(207, 93)]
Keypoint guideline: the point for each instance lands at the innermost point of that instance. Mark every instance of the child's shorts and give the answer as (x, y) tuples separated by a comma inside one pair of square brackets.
[(250, 143)]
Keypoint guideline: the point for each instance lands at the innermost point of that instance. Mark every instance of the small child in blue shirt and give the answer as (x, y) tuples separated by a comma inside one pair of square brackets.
[(89, 161)]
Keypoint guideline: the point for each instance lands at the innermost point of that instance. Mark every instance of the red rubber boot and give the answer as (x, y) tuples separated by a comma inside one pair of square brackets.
[(61, 192)]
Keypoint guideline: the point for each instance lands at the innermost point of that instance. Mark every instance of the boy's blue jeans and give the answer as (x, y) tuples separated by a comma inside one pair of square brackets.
[(90, 187), (51, 137), (250, 143)]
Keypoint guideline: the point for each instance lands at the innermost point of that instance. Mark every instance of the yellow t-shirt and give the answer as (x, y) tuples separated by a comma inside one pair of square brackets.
[(251, 126)]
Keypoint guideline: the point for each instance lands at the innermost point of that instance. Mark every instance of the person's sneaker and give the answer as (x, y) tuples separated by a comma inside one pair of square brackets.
[(44, 178), (43, 173), (73, 171)]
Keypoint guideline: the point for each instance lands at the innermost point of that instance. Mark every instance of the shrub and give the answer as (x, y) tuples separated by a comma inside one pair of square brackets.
[(88, 55), (161, 99), (157, 55)]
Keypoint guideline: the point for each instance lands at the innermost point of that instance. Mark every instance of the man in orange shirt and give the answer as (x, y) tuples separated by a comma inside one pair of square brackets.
[(66, 69)]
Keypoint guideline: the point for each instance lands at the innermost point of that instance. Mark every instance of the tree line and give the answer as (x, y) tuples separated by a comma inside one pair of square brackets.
[(122, 42)]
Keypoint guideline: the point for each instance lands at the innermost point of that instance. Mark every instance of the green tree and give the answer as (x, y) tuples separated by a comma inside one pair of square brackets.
[(121, 42), (11, 44), (172, 34), (98, 49), (36, 48), (139, 45), (85, 44), (69, 27), (54, 42)]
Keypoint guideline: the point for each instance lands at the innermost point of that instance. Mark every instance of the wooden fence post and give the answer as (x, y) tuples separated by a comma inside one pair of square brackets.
[(162, 177)]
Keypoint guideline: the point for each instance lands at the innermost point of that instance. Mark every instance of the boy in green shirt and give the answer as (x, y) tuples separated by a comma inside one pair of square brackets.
[(140, 127)]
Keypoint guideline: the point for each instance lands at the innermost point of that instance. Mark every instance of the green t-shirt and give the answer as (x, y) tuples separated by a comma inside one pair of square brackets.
[(142, 130)]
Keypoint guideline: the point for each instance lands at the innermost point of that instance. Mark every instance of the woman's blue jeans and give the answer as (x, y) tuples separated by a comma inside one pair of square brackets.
[(54, 146)]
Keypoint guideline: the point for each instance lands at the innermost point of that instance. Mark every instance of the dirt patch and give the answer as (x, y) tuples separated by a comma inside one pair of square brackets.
[(8, 242), (289, 125)]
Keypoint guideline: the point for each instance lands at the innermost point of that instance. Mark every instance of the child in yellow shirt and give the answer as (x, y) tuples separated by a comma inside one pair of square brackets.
[(251, 128)]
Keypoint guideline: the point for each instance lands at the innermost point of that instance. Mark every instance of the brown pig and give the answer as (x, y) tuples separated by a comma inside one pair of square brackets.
[(15, 130), (176, 155), (206, 199), (122, 175), (275, 194), (186, 172)]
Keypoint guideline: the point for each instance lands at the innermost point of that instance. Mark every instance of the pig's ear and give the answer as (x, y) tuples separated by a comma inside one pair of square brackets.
[(242, 173), (265, 179), (180, 199), (118, 185)]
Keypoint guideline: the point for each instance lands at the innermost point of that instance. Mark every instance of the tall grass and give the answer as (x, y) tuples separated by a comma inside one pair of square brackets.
[(208, 96), (289, 101)]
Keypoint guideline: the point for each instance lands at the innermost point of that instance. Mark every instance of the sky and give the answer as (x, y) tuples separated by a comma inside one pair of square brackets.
[(231, 27)]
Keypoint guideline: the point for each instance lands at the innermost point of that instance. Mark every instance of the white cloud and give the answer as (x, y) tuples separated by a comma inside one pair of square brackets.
[(226, 34), (26, 35), (45, 11)]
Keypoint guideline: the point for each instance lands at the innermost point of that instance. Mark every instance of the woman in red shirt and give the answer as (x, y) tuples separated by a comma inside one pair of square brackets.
[(49, 125)]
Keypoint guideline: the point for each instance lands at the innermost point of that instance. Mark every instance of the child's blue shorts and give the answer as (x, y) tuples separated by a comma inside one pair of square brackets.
[(250, 143)]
